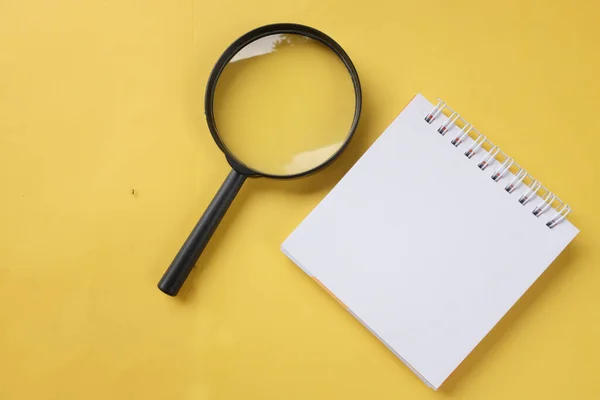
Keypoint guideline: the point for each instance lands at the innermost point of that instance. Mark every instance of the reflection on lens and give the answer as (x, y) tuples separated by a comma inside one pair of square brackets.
[(284, 104)]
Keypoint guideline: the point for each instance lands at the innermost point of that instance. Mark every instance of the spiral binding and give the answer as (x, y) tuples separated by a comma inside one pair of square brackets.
[(479, 140)]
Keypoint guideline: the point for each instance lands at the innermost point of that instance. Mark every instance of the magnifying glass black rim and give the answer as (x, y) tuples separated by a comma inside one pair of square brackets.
[(250, 37)]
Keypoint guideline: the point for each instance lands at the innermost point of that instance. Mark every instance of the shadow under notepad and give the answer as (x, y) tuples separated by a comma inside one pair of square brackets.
[(483, 350)]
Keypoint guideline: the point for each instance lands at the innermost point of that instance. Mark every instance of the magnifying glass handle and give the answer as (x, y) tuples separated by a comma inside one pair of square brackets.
[(184, 261)]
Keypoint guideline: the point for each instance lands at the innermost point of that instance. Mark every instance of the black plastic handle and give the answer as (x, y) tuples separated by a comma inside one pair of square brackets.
[(184, 261)]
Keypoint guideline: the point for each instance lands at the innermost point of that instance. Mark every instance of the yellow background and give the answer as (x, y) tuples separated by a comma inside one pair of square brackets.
[(101, 97)]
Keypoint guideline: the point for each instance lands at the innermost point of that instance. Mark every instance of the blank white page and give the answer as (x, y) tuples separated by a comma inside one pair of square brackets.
[(423, 247)]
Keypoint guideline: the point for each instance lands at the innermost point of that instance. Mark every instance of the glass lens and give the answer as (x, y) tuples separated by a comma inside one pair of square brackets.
[(284, 104)]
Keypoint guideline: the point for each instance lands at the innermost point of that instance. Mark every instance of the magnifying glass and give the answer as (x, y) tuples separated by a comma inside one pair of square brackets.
[(282, 102)]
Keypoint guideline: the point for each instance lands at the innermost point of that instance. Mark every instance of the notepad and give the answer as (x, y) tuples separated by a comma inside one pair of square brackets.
[(431, 237)]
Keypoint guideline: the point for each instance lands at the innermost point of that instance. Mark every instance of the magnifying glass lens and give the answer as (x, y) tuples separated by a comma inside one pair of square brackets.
[(284, 104)]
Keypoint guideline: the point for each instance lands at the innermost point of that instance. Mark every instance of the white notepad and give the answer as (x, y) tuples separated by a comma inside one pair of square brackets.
[(423, 247)]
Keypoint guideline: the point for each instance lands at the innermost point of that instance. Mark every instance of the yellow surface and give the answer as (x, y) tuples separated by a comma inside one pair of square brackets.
[(288, 108), (106, 164)]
